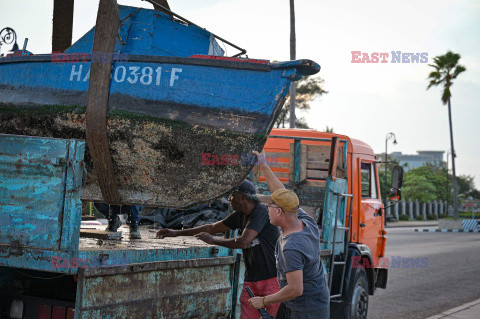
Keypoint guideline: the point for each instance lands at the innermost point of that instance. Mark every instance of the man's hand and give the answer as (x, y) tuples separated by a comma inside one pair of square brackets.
[(162, 233), (206, 237), (261, 160), (256, 302)]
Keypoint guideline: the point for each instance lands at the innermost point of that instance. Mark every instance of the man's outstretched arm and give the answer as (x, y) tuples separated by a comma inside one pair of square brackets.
[(241, 242), (272, 181), (218, 227)]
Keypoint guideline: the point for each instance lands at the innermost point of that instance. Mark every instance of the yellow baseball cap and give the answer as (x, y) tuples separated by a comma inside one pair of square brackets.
[(283, 198)]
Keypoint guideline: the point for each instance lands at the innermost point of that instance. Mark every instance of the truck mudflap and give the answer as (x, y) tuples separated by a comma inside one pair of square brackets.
[(40, 208), (195, 288)]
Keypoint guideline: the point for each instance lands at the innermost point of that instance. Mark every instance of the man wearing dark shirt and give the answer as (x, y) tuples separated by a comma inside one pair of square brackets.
[(257, 240)]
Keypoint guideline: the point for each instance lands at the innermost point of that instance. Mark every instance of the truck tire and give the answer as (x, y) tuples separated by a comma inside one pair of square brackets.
[(355, 305)]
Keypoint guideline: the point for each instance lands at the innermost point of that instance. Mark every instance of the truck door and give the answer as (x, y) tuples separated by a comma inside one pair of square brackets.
[(371, 208)]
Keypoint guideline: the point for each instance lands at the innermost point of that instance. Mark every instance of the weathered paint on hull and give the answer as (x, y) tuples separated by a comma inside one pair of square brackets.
[(157, 163), (159, 125)]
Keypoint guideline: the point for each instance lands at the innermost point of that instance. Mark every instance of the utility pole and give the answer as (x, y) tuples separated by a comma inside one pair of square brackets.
[(62, 25), (293, 86)]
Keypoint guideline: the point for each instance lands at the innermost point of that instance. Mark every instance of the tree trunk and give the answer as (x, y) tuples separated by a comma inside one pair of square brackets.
[(293, 86), (62, 25), (454, 176)]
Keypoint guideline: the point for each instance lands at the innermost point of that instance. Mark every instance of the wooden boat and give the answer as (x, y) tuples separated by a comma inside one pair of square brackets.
[(181, 122)]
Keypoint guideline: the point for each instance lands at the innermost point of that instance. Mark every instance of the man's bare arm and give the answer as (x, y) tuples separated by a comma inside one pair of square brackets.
[(218, 227), (241, 242), (272, 181), (292, 290)]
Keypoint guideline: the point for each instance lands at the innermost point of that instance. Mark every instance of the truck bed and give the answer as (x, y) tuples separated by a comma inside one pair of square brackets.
[(114, 252), (148, 241)]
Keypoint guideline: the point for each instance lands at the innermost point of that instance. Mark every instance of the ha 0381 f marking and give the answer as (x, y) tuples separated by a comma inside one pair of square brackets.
[(132, 74)]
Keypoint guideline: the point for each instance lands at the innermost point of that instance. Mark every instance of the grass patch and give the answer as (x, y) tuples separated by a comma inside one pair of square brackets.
[(469, 214)]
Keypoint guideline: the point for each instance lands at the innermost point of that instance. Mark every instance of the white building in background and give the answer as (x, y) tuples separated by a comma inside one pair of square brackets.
[(412, 161)]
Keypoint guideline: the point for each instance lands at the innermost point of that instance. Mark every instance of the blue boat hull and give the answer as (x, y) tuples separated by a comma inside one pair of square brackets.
[(180, 129)]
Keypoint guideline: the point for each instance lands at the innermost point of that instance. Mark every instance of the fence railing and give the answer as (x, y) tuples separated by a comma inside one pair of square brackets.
[(415, 210)]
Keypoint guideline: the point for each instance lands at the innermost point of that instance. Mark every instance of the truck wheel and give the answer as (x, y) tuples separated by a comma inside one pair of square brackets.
[(355, 304), (356, 301)]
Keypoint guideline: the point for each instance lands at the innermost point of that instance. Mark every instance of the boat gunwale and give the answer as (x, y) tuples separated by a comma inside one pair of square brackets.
[(242, 65)]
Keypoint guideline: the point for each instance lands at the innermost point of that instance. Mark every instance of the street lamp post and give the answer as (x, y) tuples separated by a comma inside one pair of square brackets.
[(389, 136)]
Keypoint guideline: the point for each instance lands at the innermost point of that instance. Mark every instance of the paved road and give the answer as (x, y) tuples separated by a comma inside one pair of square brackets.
[(451, 278)]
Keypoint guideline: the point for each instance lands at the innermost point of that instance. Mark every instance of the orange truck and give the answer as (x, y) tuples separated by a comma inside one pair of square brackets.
[(336, 179)]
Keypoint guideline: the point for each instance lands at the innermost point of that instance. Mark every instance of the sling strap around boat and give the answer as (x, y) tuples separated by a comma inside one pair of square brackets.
[(97, 102)]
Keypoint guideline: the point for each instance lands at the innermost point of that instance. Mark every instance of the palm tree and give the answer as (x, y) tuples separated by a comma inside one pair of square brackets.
[(446, 70)]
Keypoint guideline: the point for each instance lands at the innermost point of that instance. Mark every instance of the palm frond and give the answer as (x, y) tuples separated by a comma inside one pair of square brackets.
[(446, 69), (459, 69)]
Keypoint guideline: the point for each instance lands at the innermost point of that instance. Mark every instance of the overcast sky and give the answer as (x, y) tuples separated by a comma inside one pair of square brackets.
[(365, 100)]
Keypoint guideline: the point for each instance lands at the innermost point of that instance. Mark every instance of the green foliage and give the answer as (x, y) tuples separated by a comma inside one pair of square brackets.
[(466, 187), (475, 194), (381, 176), (419, 187), (425, 183), (432, 217), (443, 215), (329, 129), (308, 89), (428, 183), (419, 217), (403, 217)]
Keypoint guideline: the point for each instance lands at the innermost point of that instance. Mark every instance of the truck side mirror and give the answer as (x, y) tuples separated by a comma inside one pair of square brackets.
[(397, 180)]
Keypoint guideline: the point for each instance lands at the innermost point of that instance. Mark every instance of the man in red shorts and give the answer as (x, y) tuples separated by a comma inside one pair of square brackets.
[(257, 240)]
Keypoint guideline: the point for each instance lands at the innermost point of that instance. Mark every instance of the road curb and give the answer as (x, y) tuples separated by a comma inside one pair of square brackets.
[(404, 225), (445, 230), (466, 311)]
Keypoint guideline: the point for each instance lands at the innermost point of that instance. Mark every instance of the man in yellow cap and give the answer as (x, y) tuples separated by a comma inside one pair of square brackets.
[(304, 291)]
